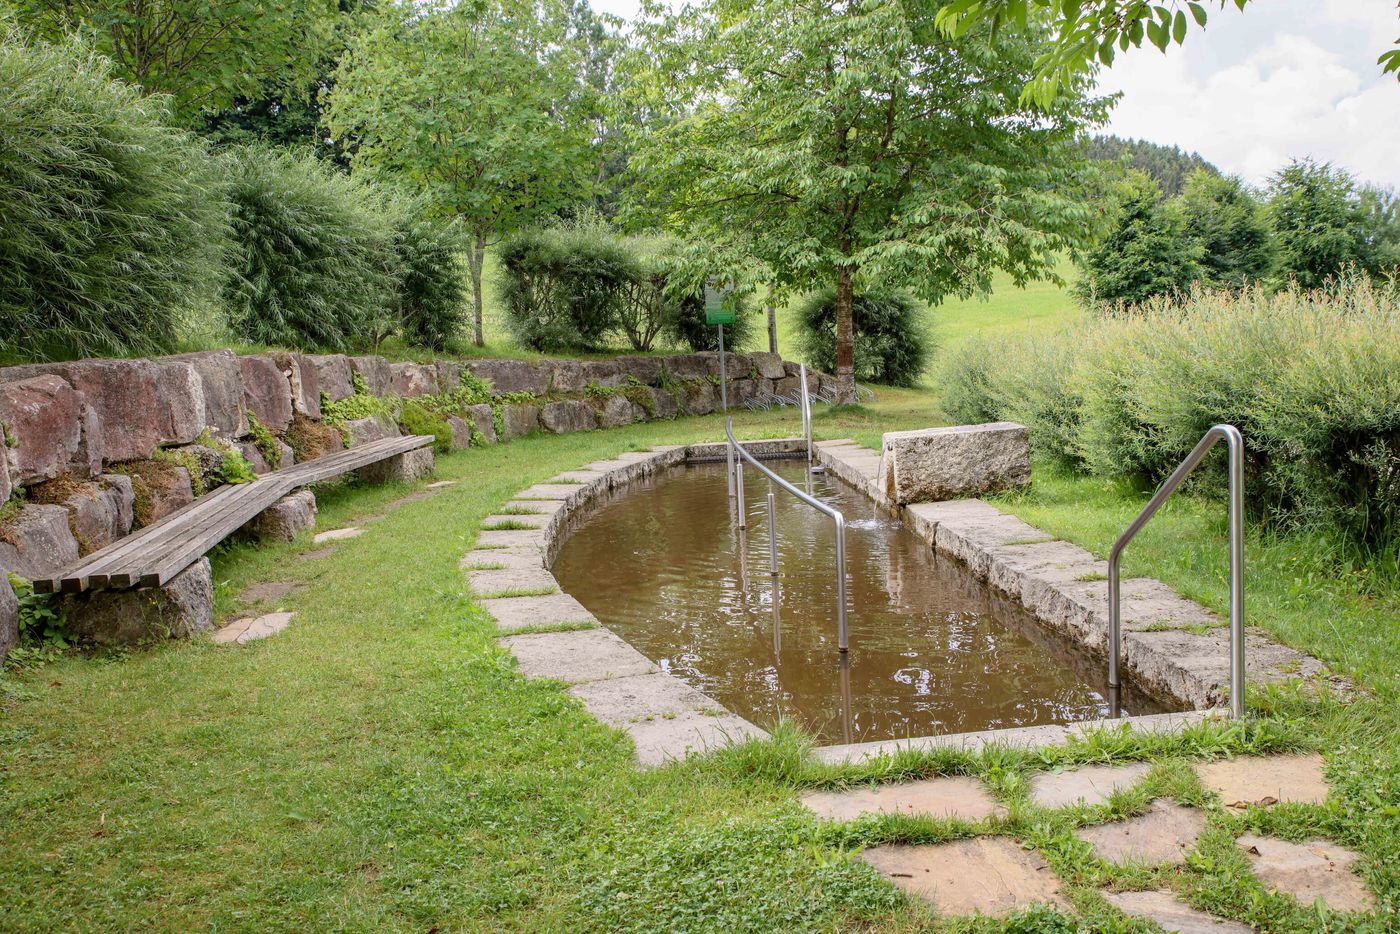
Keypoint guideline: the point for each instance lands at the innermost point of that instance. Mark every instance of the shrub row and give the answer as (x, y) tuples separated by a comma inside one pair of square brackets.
[(116, 229), (1312, 379)]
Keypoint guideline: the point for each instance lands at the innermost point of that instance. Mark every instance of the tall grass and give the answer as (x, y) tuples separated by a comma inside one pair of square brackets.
[(1312, 379), (112, 223)]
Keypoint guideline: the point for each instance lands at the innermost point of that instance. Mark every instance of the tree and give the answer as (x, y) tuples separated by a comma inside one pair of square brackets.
[(1169, 166), (1220, 214), (1318, 221), (203, 54), (1090, 32), (851, 144), (1380, 225), (478, 105), (1146, 251)]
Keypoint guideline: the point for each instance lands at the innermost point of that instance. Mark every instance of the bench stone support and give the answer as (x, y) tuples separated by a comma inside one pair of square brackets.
[(182, 608), (285, 519), (402, 468), (952, 463), (9, 617)]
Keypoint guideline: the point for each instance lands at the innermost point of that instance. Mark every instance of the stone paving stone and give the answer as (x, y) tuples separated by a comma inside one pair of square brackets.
[(537, 521), (522, 537), (993, 875), (1031, 737), (1092, 784), (536, 507), (666, 718), (566, 492), (337, 535), (440, 484), (1308, 871), (253, 627), (578, 656), (1172, 913), (528, 558), (269, 591), (317, 553), (547, 610), (1266, 780), (502, 583), (1163, 835), (957, 797)]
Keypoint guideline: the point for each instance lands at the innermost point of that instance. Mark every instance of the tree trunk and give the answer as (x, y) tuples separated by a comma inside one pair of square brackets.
[(772, 328), (845, 338), (476, 262)]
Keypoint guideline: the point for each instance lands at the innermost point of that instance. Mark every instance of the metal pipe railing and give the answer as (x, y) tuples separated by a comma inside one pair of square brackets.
[(806, 411), (740, 456), (1235, 442)]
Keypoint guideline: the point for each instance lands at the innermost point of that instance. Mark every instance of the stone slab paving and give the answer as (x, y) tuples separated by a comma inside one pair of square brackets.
[(1165, 834), (337, 535), (494, 584), (555, 609), (1092, 784), (1318, 869), (1031, 737), (576, 657), (269, 591), (441, 484), (509, 537), (242, 631), (1172, 913), (666, 718), (565, 492), (528, 558), (317, 553), (1266, 780), (534, 521), (957, 797), (993, 875), (536, 507)]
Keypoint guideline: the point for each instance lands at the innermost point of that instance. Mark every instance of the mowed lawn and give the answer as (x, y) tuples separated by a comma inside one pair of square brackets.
[(381, 766)]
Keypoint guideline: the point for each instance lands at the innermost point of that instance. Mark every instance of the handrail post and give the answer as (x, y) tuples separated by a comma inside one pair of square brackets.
[(1235, 444), (843, 642), (806, 411), (739, 495), (772, 532)]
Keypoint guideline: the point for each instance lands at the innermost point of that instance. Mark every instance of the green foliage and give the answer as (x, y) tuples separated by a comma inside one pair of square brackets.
[(265, 441), (362, 404), (419, 419), (43, 630), (1145, 252), (202, 54), (1312, 380), (1318, 220), (1220, 214), (893, 342), (431, 296), (563, 288), (112, 224), (316, 262), (686, 324), (235, 468), (182, 457), (1169, 166)]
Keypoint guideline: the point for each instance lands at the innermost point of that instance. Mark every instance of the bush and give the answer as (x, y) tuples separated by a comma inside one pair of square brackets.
[(1312, 380), (431, 294), (892, 342), (563, 288), (1145, 252), (112, 224), (686, 324), (316, 265)]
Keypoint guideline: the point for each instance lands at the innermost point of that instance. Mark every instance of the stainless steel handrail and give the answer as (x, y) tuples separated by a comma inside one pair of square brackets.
[(1235, 442), (806, 411), (737, 450)]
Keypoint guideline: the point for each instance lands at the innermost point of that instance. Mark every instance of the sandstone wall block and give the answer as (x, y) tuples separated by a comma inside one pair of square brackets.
[(164, 498), (333, 375), (618, 411), (404, 468), (645, 370), (101, 512), (565, 375), (689, 366), (379, 379), (512, 375), (787, 387), (221, 380), (953, 463), (413, 379), (461, 433), (9, 617), (701, 398), (253, 455), (769, 365), (604, 373), (666, 404), (374, 428), (304, 380), (6, 484), (285, 519), (182, 608), (568, 416), (267, 392), (180, 403), (519, 420), (484, 421), (449, 375), (37, 542), (43, 417)]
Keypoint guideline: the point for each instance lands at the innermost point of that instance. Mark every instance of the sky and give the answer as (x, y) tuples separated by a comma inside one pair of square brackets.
[(1283, 79)]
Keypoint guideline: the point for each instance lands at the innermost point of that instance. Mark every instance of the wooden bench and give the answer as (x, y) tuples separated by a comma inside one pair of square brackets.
[(153, 555)]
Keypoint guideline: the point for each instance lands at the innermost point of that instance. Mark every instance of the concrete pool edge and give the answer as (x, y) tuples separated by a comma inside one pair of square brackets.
[(668, 719)]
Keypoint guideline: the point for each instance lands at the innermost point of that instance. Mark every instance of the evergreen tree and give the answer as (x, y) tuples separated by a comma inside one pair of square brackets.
[(1319, 224), (1236, 245), (1146, 251)]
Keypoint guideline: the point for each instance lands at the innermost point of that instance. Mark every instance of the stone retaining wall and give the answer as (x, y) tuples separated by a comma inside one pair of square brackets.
[(91, 449)]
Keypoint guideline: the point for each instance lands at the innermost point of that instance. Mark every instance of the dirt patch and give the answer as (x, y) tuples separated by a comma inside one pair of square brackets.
[(310, 439), (59, 490)]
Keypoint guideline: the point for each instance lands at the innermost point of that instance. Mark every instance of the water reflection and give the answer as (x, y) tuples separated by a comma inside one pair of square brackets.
[(932, 649)]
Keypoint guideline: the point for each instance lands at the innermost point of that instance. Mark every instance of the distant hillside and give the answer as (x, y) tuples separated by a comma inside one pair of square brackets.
[(1169, 165)]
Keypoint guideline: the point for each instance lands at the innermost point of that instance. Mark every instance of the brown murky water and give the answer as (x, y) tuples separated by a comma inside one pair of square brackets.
[(933, 650)]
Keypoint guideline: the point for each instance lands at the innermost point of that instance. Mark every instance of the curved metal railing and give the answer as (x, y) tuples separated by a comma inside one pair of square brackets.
[(1235, 442)]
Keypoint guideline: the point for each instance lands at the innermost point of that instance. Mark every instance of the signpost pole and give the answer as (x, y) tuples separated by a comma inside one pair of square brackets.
[(723, 377)]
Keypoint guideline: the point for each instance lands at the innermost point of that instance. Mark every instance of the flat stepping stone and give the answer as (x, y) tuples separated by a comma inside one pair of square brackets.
[(269, 591), (959, 797), (534, 507), (510, 538), (666, 718), (1172, 913), (337, 535), (569, 492), (1318, 869), (241, 631), (1163, 835), (317, 554), (1093, 784), (535, 521), (577, 657), (555, 609), (441, 484), (992, 875), (498, 558), (508, 582), (1266, 780)]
